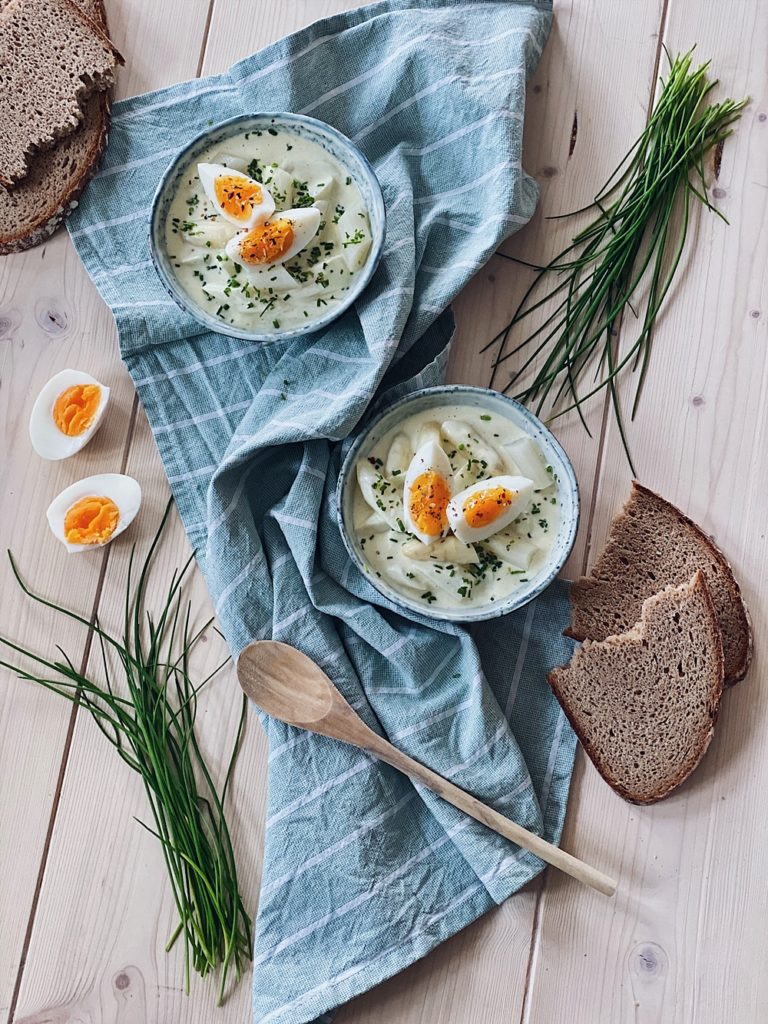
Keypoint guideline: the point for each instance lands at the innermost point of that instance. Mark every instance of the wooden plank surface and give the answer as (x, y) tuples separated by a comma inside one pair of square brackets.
[(98, 944), (678, 941), (52, 317)]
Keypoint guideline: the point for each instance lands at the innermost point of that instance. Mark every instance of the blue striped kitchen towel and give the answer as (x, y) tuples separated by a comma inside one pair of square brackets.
[(363, 873)]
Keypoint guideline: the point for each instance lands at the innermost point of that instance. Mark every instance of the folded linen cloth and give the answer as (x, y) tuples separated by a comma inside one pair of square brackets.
[(363, 873)]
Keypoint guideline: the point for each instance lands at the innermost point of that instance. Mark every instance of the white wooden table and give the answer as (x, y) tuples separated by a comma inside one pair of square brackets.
[(84, 905)]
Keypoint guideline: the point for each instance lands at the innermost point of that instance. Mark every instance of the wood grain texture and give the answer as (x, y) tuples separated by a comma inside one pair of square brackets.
[(586, 104), (52, 317), (679, 944), (108, 909)]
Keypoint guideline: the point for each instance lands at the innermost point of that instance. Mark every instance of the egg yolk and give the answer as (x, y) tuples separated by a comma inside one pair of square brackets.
[(427, 502), (237, 196), (267, 243), (74, 410), (91, 520), (486, 506)]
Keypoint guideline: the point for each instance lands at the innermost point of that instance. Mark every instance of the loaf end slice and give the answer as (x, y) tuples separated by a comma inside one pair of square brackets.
[(644, 703), (32, 210), (47, 76), (653, 545)]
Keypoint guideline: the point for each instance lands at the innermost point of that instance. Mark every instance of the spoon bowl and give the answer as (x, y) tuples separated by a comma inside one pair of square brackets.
[(269, 678)]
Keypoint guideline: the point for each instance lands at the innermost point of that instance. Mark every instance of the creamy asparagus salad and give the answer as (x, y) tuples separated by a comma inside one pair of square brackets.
[(455, 505), (267, 231)]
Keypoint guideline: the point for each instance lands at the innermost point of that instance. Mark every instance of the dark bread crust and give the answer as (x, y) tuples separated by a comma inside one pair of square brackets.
[(738, 647), (699, 587), (44, 208)]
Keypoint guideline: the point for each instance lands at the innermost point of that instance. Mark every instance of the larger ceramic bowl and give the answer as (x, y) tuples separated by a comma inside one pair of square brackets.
[(491, 402), (338, 145)]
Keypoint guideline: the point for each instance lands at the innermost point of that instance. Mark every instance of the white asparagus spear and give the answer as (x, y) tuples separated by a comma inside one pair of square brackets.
[(528, 458), (369, 480), (467, 438), (398, 457)]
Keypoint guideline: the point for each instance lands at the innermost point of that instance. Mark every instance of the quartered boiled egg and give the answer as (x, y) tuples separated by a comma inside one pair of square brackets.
[(94, 511), (276, 241), (488, 506), (238, 198), (426, 493), (66, 414)]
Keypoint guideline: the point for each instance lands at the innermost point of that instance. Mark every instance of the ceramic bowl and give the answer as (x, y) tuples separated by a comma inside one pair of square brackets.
[(338, 145), (494, 403)]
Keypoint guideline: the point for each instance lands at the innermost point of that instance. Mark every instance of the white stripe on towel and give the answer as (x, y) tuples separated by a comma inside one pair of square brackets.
[(416, 41), (202, 471), (363, 897), (461, 189), (363, 764), (201, 364), (99, 224), (139, 162), (428, 90), (329, 851), (235, 583), (193, 421), (478, 753)]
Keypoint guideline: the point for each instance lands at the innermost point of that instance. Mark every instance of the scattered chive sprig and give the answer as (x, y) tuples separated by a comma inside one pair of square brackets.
[(631, 250), (150, 720)]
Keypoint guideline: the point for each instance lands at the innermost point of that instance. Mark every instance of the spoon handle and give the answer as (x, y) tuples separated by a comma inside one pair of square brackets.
[(553, 855)]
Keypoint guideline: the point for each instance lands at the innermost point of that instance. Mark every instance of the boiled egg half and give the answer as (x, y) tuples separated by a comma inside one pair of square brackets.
[(67, 413), (486, 507), (274, 241), (427, 492), (235, 196), (93, 511)]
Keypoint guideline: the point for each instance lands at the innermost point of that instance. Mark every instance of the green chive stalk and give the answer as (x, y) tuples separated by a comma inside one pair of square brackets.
[(150, 720), (626, 257)]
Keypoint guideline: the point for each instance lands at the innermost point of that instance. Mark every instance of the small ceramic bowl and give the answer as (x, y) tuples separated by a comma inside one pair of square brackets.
[(491, 402), (338, 145)]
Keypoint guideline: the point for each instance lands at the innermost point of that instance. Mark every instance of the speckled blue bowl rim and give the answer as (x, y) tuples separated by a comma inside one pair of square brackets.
[(283, 119), (565, 472)]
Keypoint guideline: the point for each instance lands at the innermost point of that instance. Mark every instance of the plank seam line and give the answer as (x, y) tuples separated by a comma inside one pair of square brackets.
[(84, 663), (532, 948), (86, 656), (206, 34), (537, 915), (67, 746)]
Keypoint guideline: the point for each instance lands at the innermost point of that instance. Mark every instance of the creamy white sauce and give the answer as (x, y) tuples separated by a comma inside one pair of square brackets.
[(448, 574), (298, 173)]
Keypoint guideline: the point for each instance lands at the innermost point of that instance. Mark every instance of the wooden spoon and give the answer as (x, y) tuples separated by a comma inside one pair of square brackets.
[(290, 686)]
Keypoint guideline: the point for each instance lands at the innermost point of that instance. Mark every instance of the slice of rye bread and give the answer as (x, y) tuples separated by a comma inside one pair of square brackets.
[(32, 210), (652, 545), (52, 58), (644, 703)]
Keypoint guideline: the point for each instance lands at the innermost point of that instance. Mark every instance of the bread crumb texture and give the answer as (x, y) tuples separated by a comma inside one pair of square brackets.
[(46, 77), (32, 210), (644, 702), (652, 545)]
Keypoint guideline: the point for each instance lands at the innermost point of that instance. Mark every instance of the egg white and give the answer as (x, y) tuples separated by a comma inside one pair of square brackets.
[(208, 173), (305, 223), (430, 457), (520, 486), (123, 490), (47, 440)]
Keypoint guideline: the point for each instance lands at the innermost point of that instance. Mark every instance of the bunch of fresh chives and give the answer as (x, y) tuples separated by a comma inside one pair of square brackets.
[(150, 720), (630, 250)]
